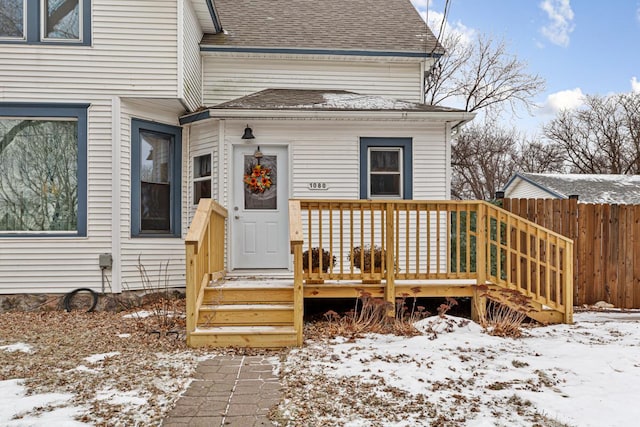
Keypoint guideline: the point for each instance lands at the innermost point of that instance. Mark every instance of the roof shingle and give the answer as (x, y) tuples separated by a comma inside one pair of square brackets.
[(362, 25), (324, 100), (591, 188)]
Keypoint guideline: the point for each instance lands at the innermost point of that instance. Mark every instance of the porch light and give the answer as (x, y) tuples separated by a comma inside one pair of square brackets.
[(248, 133)]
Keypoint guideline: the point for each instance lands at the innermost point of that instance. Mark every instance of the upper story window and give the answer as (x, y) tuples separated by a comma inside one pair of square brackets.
[(45, 21), (43, 169)]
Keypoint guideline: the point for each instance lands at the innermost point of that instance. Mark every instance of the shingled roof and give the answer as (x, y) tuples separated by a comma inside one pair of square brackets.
[(590, 188), (384, 26), (324, 100)]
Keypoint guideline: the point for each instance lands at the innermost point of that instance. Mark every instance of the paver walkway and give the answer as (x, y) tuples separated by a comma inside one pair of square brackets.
[(229, 391)]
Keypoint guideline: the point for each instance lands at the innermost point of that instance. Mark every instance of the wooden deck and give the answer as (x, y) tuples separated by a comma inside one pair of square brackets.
[(421, 249)]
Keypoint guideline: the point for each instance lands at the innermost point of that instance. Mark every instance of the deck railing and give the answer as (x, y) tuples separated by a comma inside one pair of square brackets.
[(205, 242), (423, 240)]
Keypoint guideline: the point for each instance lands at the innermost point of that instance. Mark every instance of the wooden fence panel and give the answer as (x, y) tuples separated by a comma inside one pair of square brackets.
[(606, 238)]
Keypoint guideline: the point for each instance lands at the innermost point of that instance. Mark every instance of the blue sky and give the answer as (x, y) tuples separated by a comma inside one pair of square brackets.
[(578, 46)]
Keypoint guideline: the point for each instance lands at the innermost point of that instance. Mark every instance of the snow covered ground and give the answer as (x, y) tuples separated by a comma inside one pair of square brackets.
[(586, 374)]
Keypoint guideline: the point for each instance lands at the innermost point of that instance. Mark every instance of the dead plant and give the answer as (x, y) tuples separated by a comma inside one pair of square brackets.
[(504, 313), (372, 315)]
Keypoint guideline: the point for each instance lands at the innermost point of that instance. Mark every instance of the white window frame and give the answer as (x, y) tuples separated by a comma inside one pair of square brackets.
[(202, 178), (400, 172), (24, 25), (43, 24)]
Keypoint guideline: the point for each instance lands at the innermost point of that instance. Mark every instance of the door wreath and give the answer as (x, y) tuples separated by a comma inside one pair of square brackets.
[(258, 178)]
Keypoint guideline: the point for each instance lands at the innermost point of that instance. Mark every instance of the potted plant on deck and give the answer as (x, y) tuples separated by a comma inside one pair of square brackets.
[(327, 260), (368, 259)]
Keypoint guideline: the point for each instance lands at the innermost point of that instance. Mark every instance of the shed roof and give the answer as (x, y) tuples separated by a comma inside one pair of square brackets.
[(384, 26), (624, 189)]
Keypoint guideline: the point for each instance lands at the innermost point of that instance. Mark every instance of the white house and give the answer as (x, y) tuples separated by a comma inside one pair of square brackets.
[(116, 116), (588, 188)]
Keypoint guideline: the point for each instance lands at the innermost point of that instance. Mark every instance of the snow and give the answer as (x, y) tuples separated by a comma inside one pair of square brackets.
[(139, 315), (16, 403), (586, 374), (364, 102), (95, 358), (117, 397), (19, 346)]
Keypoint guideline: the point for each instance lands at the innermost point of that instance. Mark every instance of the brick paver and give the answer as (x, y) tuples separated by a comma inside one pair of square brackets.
[(229, 391)]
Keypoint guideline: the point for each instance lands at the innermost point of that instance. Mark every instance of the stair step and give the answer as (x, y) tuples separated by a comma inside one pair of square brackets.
[(247, 294), (244, 336), (246, 314)]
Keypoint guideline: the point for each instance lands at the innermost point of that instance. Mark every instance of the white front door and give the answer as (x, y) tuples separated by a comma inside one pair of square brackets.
[(260, 209)]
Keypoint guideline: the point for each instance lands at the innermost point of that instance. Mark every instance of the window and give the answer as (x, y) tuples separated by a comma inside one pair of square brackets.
[(155, 179), (12, 19), (386, 168), (201, 178), (43, 169), (45, 21)]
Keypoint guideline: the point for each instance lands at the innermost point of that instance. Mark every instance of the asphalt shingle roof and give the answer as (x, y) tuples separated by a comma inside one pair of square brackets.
[(363, 25), (591, 188), (324, 100)]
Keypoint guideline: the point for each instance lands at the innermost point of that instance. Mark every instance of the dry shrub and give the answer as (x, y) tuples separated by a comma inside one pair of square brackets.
[(327, 260), (505, 312), (166, 307), (362, 256), (375, 315)]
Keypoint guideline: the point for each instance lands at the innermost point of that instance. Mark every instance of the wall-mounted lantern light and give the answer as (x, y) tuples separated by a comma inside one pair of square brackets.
[(248, 133)]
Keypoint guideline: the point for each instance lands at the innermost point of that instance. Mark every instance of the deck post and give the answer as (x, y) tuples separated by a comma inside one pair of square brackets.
[(567, 288), (190, 290), (296, 240), (390, 288), (479, 302)]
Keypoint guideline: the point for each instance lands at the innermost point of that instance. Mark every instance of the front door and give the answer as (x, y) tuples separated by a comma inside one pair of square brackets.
[(260, 223)]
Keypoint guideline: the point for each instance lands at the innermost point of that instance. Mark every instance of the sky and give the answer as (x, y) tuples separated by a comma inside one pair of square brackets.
[(577, 46)]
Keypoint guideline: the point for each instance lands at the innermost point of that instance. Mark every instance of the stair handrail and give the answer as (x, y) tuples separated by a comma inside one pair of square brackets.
[(204, 245)]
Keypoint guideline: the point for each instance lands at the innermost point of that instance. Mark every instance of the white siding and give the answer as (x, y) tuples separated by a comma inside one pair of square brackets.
[(328, 151), (191, 62), (31, 265), (226, 78), (203, 139), (134, 53), (521, 189), (152, 253)]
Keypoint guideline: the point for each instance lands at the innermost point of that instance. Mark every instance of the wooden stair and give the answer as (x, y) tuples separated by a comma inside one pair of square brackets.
[(246, 314), (537, 311)]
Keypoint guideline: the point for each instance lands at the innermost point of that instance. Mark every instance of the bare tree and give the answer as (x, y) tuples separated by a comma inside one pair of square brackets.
[(484, 156), (601, 137), (38, 176), (482, 75)]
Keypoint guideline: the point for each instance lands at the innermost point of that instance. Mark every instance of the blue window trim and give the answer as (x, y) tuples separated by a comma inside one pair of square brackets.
[(55, 110), (407, 162), (33, 30), (138, 125)]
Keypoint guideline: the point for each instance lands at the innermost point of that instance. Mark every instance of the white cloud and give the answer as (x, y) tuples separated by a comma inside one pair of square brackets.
[(563, 100), (561, 25), (635, 84), (434, 19)]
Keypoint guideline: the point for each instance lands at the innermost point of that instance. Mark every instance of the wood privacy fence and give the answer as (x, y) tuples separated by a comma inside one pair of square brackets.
[(606, 245)]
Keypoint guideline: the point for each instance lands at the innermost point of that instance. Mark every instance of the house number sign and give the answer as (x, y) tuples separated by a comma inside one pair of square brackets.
[(318, 186)]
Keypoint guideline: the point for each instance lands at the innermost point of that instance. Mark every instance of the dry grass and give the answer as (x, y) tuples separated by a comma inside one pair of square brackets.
[(156, 368)]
